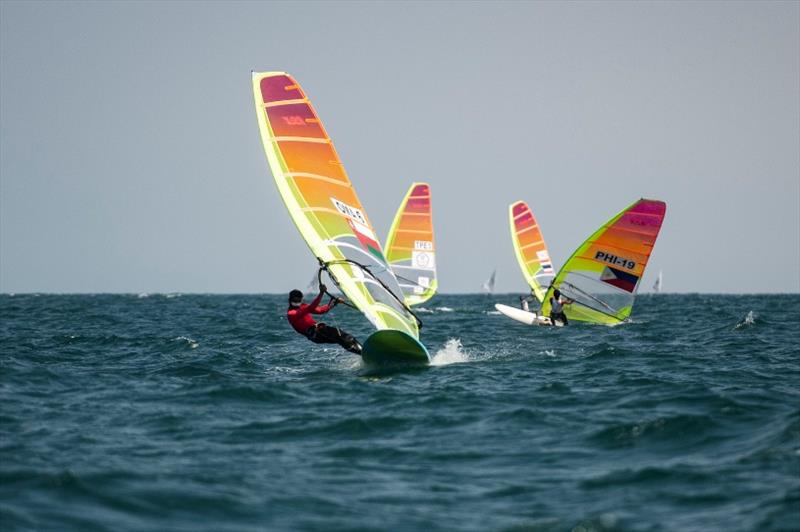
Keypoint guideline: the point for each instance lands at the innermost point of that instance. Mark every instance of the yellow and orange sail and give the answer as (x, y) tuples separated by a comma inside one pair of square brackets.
[(410, 248), (322, 202), (603, 274), (530, 249)]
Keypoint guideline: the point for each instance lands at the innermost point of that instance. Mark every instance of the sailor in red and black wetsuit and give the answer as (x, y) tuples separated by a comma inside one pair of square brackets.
[(299, 316)]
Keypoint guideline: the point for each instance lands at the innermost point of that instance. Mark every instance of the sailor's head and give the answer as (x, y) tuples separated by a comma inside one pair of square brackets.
[(556, 293), (295, 298)]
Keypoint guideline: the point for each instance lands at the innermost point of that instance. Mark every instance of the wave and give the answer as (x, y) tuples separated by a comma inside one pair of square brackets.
[(648, 475), (606, 350), (684, 428)]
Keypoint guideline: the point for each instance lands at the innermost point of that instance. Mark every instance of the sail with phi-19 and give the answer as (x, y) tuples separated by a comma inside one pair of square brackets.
[(603, 274)]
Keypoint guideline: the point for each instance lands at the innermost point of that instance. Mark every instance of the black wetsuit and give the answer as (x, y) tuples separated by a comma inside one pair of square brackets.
[(322, 333)]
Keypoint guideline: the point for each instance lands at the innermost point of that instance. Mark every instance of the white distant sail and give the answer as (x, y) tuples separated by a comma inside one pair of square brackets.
[(313, 284), (488, 284), (657, 284)]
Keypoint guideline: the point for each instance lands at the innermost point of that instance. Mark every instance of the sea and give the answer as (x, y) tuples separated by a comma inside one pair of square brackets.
[(180, 412)]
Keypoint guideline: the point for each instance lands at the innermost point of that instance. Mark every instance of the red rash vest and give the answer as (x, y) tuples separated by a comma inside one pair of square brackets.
[(300, 317)]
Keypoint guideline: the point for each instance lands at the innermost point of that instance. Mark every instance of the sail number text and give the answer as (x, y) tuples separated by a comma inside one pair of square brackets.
[(613, 259), (350, 212), (294, 120)]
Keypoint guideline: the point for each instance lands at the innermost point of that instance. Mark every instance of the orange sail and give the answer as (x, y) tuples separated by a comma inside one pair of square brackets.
[(410, 247), (323, 203), (530, 249)]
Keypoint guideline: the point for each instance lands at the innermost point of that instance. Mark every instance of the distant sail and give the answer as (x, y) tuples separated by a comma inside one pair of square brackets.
[(603, 274), (323, 204), (530, 249), (313, 284), (410, 248), (657, 284), (488, 284)]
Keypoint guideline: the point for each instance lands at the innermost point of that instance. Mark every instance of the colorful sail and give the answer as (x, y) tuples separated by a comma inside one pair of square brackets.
[(603, 274), (322, 202), (530, 249), (409, 247)]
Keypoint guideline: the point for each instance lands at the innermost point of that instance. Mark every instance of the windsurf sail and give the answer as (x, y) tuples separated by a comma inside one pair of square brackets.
[(530, 249), (409, 247), (488, 284), (603, 274), (323, 204), (657, 284), (313, 283)]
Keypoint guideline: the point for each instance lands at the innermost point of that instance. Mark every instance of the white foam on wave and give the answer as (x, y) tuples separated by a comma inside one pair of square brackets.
[(492, 312), (748, 320), (451, 353), (345, 361), (423, 310), (143, 295), (444, 309), (189, 341), (284, 369)]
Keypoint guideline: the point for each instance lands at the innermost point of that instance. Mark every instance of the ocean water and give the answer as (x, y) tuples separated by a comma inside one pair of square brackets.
[(207, 412)]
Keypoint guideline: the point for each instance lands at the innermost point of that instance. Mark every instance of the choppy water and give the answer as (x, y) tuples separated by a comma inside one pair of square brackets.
[(203, 412)]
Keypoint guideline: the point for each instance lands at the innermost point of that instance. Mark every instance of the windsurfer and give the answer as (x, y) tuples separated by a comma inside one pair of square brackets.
[(299, 316), (524, 302), (557, 303)]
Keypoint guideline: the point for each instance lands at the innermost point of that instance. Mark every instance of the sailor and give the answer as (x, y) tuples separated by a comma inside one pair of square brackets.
[(299, 316), (557, 307), (523, 303)]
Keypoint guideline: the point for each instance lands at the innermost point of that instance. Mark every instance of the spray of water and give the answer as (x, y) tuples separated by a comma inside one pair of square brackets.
[(451, 353)]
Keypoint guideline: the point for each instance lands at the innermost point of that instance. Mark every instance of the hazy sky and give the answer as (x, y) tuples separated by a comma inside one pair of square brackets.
[(130, 158)]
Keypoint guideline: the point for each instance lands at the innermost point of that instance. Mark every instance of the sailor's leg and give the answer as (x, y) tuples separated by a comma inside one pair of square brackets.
[(325, 335), (350, 343), (334, 335)]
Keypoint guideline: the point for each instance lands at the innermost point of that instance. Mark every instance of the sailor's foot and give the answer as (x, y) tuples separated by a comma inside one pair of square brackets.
[(354, 347)]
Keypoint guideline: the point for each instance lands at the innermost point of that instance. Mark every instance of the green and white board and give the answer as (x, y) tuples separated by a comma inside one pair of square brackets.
[(390, 347)]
